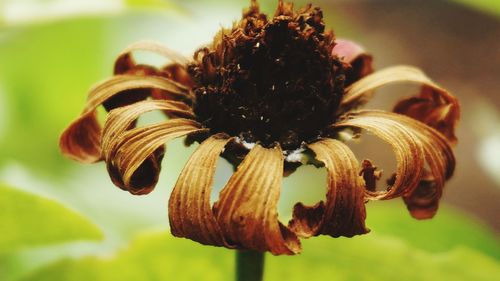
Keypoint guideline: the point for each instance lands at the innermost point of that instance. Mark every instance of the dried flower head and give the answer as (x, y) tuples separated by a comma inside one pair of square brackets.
[(269, 95)]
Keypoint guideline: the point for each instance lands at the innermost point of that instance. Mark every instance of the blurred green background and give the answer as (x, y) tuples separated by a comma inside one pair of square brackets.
[(63, 221)]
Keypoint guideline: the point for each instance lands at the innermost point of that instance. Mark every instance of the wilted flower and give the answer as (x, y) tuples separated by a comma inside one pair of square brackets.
[(268, 95)]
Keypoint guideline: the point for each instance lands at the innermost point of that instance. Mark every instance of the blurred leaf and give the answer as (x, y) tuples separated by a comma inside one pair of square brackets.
[(47, 70), (29, 220), (148, 258), (161, 257), (488, 6), (45, 73), (157, 4), (446, 231), (375, 257)]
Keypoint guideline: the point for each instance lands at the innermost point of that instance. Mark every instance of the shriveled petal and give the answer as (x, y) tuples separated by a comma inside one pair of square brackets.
[(125, 61), (81, 140), (439, 110), (356, 56), (405, 143), (247, 208), (131, 96), (370, 174), (284, 9), (434, 106), (344, 212), (189, 209), (175, 71), (120, 119), (179, 74), (422, 201), (134, 159)]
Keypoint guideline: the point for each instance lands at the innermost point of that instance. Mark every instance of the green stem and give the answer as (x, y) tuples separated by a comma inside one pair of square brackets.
[(249, 266)]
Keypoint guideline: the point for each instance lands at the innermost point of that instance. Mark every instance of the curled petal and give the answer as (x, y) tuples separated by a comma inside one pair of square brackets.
[(134, 160), (81, 140), (125, 64), (434, 106), (423, 202), (423, 199), (125, 61), (121, 119), (247, 209), (344, 212), (356, 56), (189, 209), (405, 143), (179, 74), (131, 96), (437, 109)]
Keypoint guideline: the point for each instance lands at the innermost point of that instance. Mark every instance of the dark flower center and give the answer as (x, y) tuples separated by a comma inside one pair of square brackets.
[(270, 81)]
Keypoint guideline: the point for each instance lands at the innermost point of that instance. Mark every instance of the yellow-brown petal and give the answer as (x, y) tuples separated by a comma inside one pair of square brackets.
[(439, 110), (189, 209), (121, 119), (423, 199), (81, 139), (247, 208), (406, 145), (175, 71), (128, 97), (125, 61), (134, 159), (344, 212), (434, 105)]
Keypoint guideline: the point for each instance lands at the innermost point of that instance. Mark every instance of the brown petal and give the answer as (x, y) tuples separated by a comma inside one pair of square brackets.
[(405, 143), (344, 212), (179, 74), (422, 201), (120, 119), (80, 141), (125, 64), (190, 213), (356, 56), (370, 174), (434, 106), (125, 61), (284, 9), (128, 97), (247, 209), (134, 159), (439, 110)]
